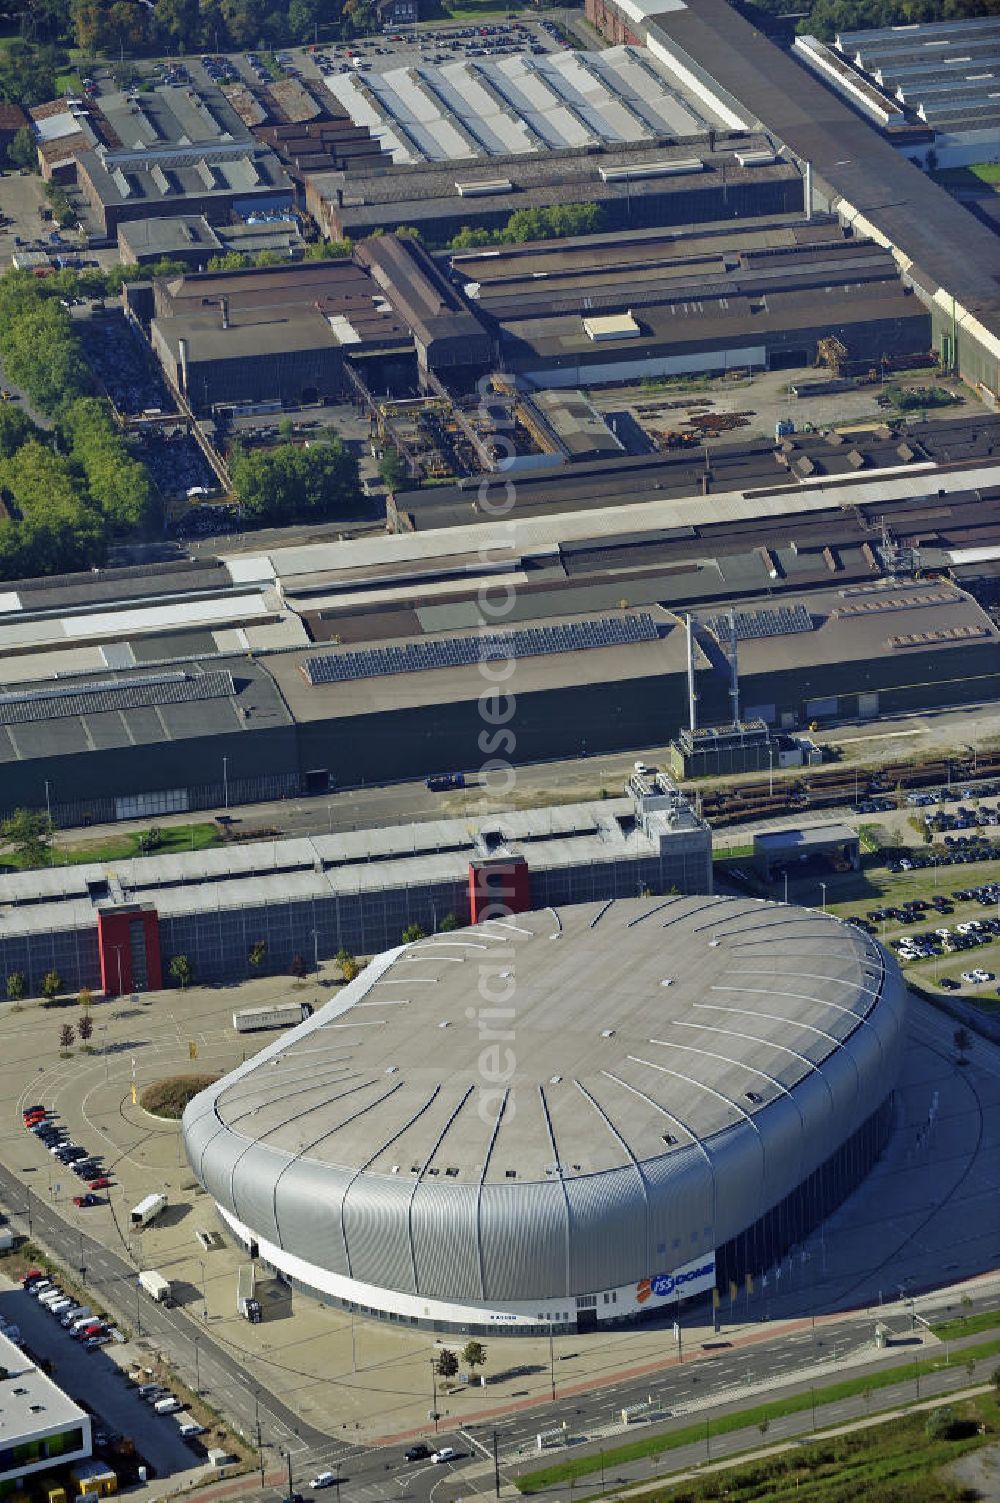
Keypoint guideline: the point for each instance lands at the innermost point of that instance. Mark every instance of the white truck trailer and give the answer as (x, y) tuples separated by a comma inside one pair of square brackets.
[(156, 1286), (281, 1015), (147, 1210)]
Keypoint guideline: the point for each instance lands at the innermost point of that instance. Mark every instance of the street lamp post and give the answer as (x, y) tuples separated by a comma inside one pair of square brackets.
[(552, 1362), (204, 1293), (434, 1393), (823, 886), (225, 781), (197, 1366), (496, 1465)]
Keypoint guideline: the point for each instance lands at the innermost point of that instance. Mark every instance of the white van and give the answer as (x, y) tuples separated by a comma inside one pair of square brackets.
[(83, 1320), (50, 1296), (188, 1427), (167, 1405)]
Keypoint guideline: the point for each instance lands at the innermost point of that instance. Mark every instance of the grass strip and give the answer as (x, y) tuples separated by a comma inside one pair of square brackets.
[(899, 1461), (966, 1325), (654, 1445), (194, 837)]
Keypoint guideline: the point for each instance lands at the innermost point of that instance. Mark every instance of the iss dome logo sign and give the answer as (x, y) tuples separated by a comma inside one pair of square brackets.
[(662, 1285)]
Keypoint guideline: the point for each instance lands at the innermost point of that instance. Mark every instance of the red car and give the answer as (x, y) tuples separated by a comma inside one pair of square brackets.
[(86, 1200), (30, 1118), (31, 1277), (100, 1183)]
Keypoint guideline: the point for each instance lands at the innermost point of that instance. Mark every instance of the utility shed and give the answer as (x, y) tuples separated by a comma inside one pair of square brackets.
[(835, 845)]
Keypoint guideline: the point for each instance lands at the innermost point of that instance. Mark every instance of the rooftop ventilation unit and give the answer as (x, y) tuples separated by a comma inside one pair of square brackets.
[(677, 168), (484, 186)]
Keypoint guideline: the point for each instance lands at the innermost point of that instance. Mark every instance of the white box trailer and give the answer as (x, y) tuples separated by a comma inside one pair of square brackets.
[(147, 1210), (281, 1015), (156, 1286)]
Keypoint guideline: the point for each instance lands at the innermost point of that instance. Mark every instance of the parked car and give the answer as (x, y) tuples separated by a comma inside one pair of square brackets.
[(419, 1452), (446, 1453), (323, 1479), (100, 1183), (81, 1201)]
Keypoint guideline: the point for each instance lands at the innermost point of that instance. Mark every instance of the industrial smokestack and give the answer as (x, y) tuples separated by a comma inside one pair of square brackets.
[(182, 355), (224, 301), (692, 696), (808, 190)]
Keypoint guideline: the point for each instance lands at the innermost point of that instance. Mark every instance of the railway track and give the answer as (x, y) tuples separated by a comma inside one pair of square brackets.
[(826, 788)]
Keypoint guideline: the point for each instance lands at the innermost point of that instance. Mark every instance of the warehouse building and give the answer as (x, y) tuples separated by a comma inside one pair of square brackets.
[(525, 105), (588, 311), (117, 928), (945, 74), (854, 171), (191, 240), (216, 179), (278, 333), (42, 1428), (141, 692), (722, 175), (613, 1155)]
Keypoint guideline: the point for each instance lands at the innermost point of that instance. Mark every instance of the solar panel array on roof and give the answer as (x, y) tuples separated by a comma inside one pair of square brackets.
[(461, 652), (112, 694), (779, 621)]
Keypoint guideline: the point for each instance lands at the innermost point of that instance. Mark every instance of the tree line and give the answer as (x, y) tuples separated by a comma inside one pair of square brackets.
[(65, 491), (292, 483), (824, 18), (165, 28)]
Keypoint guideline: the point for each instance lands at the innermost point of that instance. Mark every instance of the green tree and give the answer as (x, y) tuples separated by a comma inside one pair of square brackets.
[(182, 971), (298, 967), (349, 967), (29, 835), (257, 954), (289, 483), (16, 986), (27, 73), (446, 1364), (85, 1028), (23, 149), (16, 428), (392, 469), (51, 985), (940, 1423), (474, 1355), (449, 924), (150, 840), (328, 250), (86, 998), (412, 933), (122, 483), (66, 1036)]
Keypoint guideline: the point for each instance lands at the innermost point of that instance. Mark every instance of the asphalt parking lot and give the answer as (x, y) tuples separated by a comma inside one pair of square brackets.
[(95, 1379), (21, 197)]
